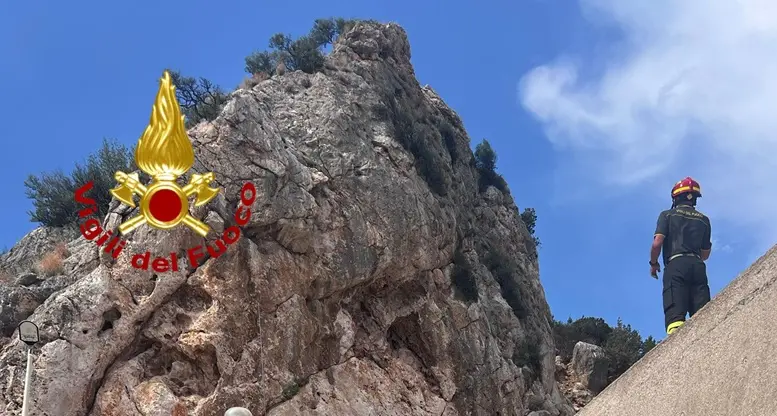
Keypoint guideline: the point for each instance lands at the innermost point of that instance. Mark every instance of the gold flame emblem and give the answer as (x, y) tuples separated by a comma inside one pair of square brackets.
[(165, 153)]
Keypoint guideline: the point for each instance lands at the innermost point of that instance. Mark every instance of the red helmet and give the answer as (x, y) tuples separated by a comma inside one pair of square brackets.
[(686, 185)]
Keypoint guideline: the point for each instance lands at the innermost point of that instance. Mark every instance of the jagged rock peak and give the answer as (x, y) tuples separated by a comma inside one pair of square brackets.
[(377, 273), (376, 41)]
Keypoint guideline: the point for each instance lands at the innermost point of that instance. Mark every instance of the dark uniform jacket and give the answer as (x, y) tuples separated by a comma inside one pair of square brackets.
[(686, 231)]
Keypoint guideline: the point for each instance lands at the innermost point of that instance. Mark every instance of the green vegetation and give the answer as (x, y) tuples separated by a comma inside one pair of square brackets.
[(448, 134), (199, 98), (290, 390), (485, 162), (504, 270), (53, 193), (428, 162), (463, 278), (203, 100), (418, 138), (529, 218), (622, 344), (305, 53), (527, 353), (624, 347)]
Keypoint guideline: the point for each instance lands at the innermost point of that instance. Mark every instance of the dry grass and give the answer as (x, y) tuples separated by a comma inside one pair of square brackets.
[(51, 264), (179, 410), (253, 80), (247, 84), (61, 250)]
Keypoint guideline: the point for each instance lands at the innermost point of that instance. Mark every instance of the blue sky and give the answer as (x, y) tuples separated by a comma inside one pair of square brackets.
[(534, 77)]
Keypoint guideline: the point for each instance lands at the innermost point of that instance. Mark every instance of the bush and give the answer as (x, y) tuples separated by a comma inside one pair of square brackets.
[(428, 163), (504, 271), (199, 99), (587, 329), (648, 344), (417, 138), (485, 156), (527, 353), (52, 197), (53, 193), (449, 139), (623, 347), (529, 218), (253, 80), (485, 162), (61, 250), (290, 390), (304, 54), (51, 264)]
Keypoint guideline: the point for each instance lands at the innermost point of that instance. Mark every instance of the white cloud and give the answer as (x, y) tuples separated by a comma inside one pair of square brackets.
[(719, 246), (691, 89)]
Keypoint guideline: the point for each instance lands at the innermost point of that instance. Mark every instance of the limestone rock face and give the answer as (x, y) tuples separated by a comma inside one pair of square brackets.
[(589, 366), (25, 255), (342, 296), (584, 376), (23, 288)]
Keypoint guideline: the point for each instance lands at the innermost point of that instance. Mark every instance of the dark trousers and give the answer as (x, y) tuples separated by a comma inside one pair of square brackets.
[(686, 288)]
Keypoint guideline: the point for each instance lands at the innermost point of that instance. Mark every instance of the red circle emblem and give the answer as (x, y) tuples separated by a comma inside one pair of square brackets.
[(165, 205)]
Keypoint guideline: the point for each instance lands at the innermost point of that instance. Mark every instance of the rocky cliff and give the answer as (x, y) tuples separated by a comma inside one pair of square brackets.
[(377, 274)]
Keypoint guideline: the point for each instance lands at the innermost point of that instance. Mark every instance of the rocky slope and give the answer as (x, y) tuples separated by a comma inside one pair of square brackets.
[(339, 299)]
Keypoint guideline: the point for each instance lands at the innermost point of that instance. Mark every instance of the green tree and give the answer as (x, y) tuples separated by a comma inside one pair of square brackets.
[(485, 162), (485, 157), (53, 193), (648, 344), (622, 344), (199, 98), (623, 348), (305, 53), (324, 31), (592, 330), (529, 218), (587, 329)]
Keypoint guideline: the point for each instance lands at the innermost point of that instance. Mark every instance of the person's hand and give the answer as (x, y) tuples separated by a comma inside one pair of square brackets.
[(654, 270)]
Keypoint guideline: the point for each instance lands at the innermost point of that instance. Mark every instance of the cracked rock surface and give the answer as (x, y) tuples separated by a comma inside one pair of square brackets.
[(338, 298)]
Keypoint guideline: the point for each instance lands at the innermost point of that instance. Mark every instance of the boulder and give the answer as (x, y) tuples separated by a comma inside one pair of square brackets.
[(589, 366)]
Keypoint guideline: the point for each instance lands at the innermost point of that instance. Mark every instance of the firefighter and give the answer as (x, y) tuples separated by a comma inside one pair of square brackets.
[(683, 234)]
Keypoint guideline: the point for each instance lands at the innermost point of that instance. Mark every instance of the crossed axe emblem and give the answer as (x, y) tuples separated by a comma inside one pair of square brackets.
[(164, 204), (164, 152)]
